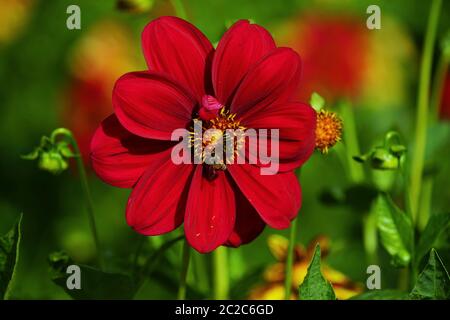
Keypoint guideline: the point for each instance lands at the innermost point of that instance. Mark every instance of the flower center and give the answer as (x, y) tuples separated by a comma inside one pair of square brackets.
[(216, 136), (328, 130)]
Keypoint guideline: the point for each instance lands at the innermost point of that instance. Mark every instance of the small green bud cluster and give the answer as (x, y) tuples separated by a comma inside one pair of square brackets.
[(389, 156), (52, 155)]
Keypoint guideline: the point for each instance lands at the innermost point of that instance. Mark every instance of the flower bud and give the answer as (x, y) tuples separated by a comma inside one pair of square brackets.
[(52, 155), (52, 162), (388, 156), (383, 159)]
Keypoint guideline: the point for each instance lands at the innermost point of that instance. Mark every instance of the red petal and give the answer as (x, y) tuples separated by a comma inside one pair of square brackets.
[(176, 47), (277, 198), (274, 79), (248, 222), (238, 50), (157, 203), (119, 157), (150, 105), (210, 211), (296, 123)]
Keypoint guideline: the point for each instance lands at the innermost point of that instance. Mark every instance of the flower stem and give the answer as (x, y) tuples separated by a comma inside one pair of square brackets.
[(356, 172), (370, 237), (290, 260), (200, 270), (84, 186), (423, 109), (184, 271), (179, 9), (220, 262), (425, 203)]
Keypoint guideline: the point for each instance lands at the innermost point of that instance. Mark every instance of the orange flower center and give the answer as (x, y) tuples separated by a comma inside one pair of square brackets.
[(328, 130)]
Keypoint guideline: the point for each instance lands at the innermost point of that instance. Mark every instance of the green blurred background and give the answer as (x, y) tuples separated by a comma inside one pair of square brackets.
[(51, 77)]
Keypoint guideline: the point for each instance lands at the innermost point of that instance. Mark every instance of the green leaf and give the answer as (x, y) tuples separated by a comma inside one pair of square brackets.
[(315, 286), (382, 295), (397, 149), (32, 155), (433, 282), (395, 229), (317, 101), (435, 226), (9, 256), (95, 284)]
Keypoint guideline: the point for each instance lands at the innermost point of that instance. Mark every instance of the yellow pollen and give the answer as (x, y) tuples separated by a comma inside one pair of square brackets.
[(328, 130)]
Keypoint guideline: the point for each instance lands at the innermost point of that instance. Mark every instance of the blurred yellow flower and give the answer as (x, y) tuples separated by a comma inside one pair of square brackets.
[(104, 52), (14, 14), (273, 288)]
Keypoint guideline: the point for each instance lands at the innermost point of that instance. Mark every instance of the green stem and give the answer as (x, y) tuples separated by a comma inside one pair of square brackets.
[(403, 279), (370, 237), (199, 272), (290, 260), (220, 264), (179, 9), (423, 109), (184, 271), (84, 186), (425, 203), (351, 142), (357, 176)]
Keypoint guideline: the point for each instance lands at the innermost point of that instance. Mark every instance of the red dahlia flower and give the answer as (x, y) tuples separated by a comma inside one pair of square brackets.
[(253, 81)]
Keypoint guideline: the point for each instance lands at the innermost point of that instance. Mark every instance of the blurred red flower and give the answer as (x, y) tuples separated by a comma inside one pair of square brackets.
[(253, 81), (97, 59), (334, 52), (344, 59), (444, 112)]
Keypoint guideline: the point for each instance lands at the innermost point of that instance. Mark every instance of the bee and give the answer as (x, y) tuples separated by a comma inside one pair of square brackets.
[(220, 166)]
